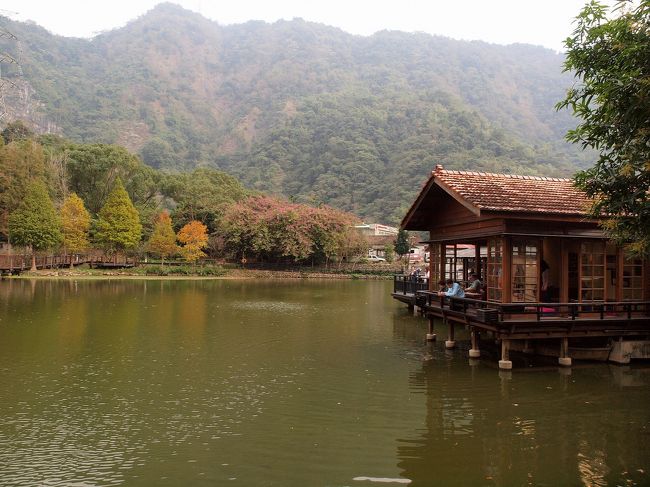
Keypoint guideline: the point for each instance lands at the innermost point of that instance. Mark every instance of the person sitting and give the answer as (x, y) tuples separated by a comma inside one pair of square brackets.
[(441, 285), (453, 290), (475, 285)]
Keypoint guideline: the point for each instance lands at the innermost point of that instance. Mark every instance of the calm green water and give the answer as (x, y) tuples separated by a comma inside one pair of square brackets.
[(288, 383)]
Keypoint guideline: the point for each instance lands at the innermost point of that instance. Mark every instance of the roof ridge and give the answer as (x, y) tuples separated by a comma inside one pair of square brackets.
[(443, 171)]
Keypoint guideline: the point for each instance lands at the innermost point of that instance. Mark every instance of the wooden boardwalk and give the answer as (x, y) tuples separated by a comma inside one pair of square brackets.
[(15, 263)]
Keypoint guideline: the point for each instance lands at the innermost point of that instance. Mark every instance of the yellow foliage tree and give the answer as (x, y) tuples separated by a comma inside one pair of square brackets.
[(163, 239), (194, 237), (75, 223)]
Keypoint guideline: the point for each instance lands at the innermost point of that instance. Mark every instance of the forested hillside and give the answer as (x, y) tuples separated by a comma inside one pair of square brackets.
[(298, 108)]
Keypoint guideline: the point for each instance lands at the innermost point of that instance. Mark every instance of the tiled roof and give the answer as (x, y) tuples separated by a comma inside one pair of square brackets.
[(507, 192)]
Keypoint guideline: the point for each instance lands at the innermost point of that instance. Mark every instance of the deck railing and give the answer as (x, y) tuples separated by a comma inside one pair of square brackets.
[(404, 284), (601, 310)]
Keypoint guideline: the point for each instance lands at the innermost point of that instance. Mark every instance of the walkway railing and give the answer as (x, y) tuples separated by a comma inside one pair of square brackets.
[(403, 284), (502, 312)]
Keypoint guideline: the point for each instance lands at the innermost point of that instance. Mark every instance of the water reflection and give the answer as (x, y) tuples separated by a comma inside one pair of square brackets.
[(288, 383), (534, 427)]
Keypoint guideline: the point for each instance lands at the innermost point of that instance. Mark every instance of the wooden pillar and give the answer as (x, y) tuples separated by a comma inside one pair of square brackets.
[(506, 269), (477, 261), (620, 266), (450, 343), (443, 261), (505, 362), (564, 359), (564, 276), (431, 336), (474, 352)]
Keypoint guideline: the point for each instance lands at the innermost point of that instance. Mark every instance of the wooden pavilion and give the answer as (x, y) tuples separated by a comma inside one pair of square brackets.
[(520, 226)]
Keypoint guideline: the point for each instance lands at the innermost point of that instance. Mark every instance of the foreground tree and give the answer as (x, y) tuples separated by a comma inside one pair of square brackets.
[(75, 223), (35, 224), (163, 239), (118, 226), (194, 237), (611, 58)]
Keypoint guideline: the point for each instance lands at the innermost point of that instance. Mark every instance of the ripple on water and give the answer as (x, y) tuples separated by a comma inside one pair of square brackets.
[(274, 306)]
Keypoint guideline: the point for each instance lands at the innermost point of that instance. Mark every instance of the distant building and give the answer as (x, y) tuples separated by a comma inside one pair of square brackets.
[(378, 236), (376, 230)]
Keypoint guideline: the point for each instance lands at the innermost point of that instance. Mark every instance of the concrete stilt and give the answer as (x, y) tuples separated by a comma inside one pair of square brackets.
[(450, 343), (505, 363), (564, 359), (474, 351), (431, 336)]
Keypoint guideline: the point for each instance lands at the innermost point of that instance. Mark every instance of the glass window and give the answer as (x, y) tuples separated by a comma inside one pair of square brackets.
[(632, 279), (524, 271), (592, 271), (494, 270)]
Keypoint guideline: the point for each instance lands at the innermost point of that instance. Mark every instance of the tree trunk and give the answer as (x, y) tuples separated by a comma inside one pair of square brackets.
[(33, 262)]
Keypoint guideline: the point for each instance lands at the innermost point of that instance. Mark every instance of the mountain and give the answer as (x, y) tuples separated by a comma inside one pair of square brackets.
[(298, 108)]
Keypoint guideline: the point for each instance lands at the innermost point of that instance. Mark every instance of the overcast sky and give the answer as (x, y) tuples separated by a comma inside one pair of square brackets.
[(545, 22)]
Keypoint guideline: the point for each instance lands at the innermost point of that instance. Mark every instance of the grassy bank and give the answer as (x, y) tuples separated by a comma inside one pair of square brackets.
[(206, 272)]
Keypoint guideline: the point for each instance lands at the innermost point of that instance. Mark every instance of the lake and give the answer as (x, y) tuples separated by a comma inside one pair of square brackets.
[(289, 383)]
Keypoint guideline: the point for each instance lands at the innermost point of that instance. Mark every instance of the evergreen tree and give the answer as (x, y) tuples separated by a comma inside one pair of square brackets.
[(402, 245), (35, 224), (163, 239), (21, 162), (118, 226), (75, 223)]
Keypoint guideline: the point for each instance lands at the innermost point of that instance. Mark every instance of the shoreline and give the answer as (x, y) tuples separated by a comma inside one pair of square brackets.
[(228, 274)]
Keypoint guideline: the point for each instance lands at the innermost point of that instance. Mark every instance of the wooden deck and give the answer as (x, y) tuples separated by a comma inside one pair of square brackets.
[(524, 321), (521, 324), (406, 289)]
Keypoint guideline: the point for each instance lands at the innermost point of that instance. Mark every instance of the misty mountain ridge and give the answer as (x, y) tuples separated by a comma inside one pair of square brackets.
[(299, 108)]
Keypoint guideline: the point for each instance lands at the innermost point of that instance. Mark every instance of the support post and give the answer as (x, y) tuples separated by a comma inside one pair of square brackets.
[(505, 362), (474, 352), (431, 336), (450, 343), (527, 348), (564, 359)]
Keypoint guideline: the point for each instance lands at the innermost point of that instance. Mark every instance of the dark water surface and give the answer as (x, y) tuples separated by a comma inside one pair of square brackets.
[(289, 383)]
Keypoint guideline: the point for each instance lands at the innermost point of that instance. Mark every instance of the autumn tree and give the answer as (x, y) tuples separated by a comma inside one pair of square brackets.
[(194, 237), (163, 239), (75, 223), (610, 56), (35, 223), (118, 225), (266, 228)]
